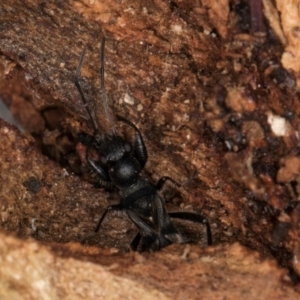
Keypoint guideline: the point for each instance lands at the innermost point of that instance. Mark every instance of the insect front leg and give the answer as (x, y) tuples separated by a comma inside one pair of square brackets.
[(103, 177), (102, 173)]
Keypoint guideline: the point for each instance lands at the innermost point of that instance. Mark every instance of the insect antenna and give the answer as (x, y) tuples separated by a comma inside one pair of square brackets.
[(77, 76), (94, 123), (102, 89)]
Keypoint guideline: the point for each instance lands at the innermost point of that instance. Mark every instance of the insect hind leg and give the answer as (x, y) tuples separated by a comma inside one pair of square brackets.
[(147, 233), (194, 218)]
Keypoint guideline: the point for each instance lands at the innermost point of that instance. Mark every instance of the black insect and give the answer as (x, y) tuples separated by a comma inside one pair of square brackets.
[(119, 166)]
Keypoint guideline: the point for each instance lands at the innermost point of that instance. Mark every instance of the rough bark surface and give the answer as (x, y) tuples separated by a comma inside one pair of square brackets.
[(69, 271), (208, 94)]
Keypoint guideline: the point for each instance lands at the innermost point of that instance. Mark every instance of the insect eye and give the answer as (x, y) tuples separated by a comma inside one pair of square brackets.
[(127, 147), (103, 160)]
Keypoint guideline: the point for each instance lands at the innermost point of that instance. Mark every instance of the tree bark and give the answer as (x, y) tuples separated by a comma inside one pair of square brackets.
[(207, 95)]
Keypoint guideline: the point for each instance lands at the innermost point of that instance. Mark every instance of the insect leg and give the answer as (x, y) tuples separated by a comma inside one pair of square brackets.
[(162, 221), (108, 209), (162, 181), (194, 218), (135, 242), (146, 245), (139, 147), (115, 207), (103, 177), (147, 232)]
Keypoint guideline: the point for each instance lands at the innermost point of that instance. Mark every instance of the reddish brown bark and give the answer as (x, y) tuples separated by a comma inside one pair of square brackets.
[(201, 101)]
